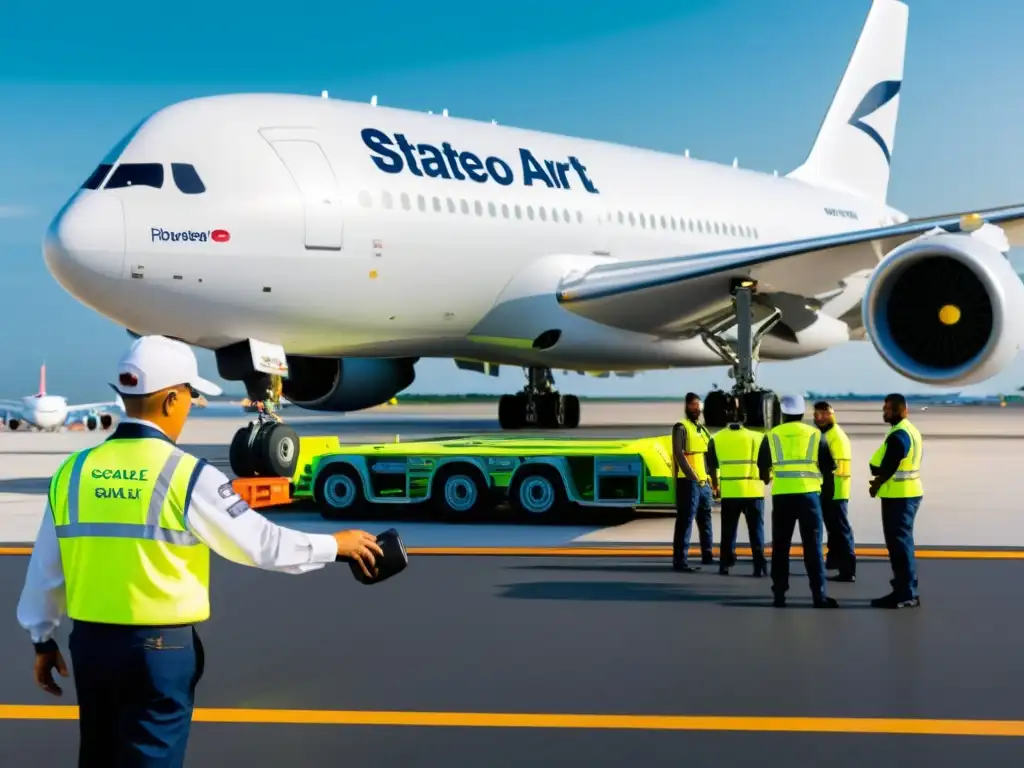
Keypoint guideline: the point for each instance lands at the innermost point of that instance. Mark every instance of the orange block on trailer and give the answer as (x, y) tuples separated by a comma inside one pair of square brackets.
[(264, 491)]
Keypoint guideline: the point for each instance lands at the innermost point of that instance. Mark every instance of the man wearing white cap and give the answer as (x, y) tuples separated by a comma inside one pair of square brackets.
[(793, 458), (124, 549)]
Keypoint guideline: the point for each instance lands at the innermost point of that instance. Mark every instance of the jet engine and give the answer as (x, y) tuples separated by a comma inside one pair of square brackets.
[(90, 422), (348, 384), (945, 309)]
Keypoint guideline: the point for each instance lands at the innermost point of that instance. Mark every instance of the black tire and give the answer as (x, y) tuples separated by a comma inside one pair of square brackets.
[(459, 492), (537, 491), (277, 450), (714, 410), (762, 408), (511, 411), (550, 411), (572, 411), (240, 457), (338, 492)]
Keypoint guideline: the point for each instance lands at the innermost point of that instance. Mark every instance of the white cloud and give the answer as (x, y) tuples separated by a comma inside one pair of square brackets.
[(14, 211)]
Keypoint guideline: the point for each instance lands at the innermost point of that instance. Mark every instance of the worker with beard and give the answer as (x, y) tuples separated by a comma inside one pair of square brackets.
[(835, 496), (690, 441)]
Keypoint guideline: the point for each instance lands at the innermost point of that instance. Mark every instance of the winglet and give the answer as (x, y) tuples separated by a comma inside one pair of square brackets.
[(853, 149)]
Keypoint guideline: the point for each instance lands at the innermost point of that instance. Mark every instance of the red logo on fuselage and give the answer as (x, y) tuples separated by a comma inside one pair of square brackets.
[(220, 235)]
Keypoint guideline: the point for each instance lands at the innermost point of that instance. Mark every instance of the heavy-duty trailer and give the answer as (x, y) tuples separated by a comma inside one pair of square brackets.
[(465, 476)]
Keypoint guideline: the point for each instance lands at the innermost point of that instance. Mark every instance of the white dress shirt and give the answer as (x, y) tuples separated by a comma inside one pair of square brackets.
[(226, 524)]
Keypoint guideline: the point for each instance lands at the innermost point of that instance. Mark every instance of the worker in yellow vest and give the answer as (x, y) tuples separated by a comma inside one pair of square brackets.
[(690, 441), (124, 549), (732, 465), (896, 467), (835, 496), (793, 458)]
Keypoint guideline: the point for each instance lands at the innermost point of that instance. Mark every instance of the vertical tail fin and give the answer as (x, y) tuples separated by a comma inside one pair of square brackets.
[(854, 145), (42, 380)]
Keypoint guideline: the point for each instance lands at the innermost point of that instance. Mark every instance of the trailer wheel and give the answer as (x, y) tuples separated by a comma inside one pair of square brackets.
[(459, 491), (536, 491), (338, 492)]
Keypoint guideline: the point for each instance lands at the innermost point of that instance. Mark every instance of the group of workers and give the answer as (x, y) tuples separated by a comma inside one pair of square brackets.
[(809, 471)]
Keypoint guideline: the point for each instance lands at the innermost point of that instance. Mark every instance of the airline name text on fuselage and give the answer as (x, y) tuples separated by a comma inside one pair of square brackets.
[(446, 162)]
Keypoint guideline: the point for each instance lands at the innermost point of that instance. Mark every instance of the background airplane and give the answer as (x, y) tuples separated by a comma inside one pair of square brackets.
[(52, 413)]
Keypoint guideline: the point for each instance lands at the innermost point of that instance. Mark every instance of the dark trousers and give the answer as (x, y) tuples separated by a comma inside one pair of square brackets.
[(898, 528), (841, 554), (788, 511), (693, 501), (753, 511), (135, 689)]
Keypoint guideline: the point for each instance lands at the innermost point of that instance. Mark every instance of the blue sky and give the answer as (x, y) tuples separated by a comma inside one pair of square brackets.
[(724, 78)]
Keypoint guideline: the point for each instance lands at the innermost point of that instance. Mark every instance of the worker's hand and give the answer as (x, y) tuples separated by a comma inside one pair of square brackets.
[(875, 484), (46, 662), (360, 546)]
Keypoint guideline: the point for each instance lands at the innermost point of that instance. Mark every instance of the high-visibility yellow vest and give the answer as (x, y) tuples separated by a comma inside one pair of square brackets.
[(842, 452), (697, 440), (128, 557), (736, 451), (906, 483), (794, 447)]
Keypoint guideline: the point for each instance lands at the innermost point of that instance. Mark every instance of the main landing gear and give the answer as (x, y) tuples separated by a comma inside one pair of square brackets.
[(539, 405), (761, 406), (265, 448)]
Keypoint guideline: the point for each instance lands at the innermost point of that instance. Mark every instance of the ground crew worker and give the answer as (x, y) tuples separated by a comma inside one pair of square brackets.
[(793, 458), (693, 487), (732, 465), (125, 544), (896, 467), (835, 496)]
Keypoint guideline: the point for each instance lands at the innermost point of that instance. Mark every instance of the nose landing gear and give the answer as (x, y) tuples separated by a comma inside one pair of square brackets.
[(761, 406), (266, 447)]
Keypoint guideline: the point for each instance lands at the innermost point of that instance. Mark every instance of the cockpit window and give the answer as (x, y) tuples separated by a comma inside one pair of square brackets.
[(97, 176), (136, 175), (186, 178)]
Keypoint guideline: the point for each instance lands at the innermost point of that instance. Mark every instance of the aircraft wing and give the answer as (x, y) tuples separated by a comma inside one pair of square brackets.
[(78, 411), (673, 296), (11, 409)]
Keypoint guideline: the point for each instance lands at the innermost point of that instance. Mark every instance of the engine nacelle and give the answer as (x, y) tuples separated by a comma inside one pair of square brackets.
[(348, 384), (106, 420), (90, 422), (945, 309)]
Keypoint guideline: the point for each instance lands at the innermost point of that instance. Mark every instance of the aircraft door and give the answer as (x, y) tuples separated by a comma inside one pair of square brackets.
[(321, 195)]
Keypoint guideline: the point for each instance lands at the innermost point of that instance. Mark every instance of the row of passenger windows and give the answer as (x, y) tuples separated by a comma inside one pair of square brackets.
[(185, 176), (531, 213)]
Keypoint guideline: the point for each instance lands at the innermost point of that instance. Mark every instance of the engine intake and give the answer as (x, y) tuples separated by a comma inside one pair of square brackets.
[(348, 384), (945, 309)]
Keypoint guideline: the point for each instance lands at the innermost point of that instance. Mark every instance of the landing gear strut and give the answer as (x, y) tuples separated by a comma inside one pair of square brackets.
[(539, 405), (761, 406), (266, 447)]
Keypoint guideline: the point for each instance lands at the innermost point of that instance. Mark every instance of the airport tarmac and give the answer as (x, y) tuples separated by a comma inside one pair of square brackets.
[(555, 659)]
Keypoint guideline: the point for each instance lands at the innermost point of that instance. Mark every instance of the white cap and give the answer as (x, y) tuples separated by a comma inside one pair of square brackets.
[(153, 363), (793, 405)]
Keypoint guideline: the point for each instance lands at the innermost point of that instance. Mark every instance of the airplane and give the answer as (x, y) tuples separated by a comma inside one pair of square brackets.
[(51, 413), (337, 243)]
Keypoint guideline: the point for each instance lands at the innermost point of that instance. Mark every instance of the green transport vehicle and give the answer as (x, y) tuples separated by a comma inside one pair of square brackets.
[(465, 476)]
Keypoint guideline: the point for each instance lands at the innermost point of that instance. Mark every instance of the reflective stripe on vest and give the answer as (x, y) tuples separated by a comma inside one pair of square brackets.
[(841, 450), (906, 482), (697, 439), (736, 452), (128, 557), (794, 449)]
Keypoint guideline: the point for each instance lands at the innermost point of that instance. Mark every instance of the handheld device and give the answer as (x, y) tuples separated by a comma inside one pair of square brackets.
[(394, 561)]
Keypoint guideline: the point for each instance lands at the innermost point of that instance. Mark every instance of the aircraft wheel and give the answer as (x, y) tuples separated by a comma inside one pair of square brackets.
[(276, 450), (240, 457), (572, 411), (511, 411), (537, 491), (459, 491), (338, 492), (762, 408), (550, 411)]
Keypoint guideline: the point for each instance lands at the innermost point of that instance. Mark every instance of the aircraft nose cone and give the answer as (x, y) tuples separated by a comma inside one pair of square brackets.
[(85, 243)]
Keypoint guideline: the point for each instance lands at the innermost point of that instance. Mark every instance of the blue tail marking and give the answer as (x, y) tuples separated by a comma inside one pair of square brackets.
[(873, 101)]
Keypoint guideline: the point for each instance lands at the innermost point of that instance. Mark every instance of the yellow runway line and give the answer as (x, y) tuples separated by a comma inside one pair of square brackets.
[(625, 551), (854, 725)]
